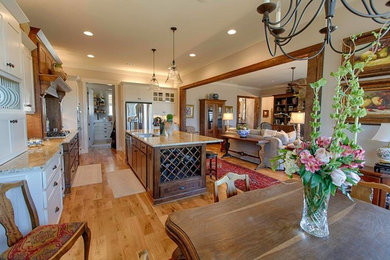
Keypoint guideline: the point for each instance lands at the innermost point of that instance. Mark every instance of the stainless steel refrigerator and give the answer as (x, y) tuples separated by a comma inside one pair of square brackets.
[(139, 116)]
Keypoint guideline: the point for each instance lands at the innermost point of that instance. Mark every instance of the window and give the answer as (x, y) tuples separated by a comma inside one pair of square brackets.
[(110, 104)]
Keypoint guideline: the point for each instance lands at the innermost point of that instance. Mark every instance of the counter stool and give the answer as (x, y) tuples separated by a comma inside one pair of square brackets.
[(211, 156)]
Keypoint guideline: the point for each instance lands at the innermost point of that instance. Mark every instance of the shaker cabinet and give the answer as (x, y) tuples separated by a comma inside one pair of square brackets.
[(13, 134), (11, 44), (211, 113), (28, 82)]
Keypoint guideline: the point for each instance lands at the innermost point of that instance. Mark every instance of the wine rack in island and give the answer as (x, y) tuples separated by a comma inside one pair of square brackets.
[(168, 172)]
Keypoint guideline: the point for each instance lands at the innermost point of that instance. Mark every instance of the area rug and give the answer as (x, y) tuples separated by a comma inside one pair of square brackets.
[(87, 175), (256, 179), (124, 183)]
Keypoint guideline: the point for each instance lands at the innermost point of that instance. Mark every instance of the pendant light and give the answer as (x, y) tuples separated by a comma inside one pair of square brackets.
[(174, 79), (154, 82)]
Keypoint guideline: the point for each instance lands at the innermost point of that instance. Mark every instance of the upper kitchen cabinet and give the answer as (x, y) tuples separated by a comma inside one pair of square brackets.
[(28, 77), (10, 44)]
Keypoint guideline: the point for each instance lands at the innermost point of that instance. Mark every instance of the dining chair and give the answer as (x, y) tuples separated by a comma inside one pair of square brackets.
[(365, 191), (229, 179), (43, 242)]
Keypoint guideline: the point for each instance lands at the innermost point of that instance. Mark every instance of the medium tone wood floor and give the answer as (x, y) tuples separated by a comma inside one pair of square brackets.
[(121, 228)]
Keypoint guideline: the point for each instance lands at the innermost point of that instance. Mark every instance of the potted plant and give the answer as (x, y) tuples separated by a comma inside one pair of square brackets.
[(328, 164), (243, 131), (169, 125)]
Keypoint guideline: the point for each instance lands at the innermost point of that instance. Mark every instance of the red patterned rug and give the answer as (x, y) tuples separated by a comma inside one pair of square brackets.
[(256, 179)]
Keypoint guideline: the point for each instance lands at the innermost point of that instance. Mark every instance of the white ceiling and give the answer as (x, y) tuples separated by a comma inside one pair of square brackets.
[(126, 30), (273, 76)]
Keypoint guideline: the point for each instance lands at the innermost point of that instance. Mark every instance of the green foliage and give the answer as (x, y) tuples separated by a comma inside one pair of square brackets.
[(170, 118)]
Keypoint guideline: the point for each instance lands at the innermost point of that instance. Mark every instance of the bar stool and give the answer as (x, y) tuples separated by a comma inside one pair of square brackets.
[(212, 156)]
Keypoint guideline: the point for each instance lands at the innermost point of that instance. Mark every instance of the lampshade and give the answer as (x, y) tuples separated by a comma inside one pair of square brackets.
[(297, 118), (383, 134), (227, 116)]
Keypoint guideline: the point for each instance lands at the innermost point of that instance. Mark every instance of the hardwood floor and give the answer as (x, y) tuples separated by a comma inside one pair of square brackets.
[(123, 227)]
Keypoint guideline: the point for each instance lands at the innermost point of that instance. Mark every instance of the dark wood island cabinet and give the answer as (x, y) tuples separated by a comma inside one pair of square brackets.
[(71, 160), (169, 168)]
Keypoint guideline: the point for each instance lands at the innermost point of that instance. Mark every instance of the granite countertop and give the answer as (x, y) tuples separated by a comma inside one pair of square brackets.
[(178, 138), (36, 157)]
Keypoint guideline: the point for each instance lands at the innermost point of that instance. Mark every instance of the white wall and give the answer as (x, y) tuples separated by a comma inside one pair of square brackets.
[(226, 92), (267, 103), (348, 24), (69, 106)]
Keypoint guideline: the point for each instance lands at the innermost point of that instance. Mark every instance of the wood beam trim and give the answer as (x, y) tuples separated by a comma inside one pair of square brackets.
[(302, 53)]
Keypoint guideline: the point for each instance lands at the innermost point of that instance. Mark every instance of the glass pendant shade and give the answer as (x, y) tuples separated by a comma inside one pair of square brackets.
[(173, 79), (154, 82)]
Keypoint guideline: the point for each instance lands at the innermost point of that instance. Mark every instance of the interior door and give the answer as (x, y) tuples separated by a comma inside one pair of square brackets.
[(91, 128)]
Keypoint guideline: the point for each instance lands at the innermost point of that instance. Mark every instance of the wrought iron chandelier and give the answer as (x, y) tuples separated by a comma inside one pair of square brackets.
[(296, 12)]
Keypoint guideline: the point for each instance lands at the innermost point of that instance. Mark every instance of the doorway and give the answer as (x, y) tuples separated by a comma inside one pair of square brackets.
[(101, 114), (248, 111)]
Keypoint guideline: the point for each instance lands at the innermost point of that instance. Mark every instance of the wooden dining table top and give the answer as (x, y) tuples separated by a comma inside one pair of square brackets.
[(264, 224)]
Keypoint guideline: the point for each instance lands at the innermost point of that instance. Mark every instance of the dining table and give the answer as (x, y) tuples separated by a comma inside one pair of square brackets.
[(264, 224)]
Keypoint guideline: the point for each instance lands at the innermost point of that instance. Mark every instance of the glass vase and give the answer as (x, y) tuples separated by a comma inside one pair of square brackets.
[(315, 211)]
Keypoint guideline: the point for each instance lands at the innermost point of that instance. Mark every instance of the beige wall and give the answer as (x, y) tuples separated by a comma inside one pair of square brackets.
[(348, 25), (267, 103)]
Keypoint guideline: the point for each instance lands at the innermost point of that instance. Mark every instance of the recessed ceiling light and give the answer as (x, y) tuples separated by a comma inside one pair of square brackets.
[(88, 33), (232, 32), (90, 56), (192, 55)]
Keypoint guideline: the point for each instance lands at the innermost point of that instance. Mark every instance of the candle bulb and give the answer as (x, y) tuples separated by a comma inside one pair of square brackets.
[(266, 1), (278, 13)]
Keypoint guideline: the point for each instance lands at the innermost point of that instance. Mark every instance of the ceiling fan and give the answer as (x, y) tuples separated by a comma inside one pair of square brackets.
[(294, 87)]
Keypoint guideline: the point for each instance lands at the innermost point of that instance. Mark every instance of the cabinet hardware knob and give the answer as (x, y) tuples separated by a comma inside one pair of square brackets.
[(13, 121), (8, 64), (27, 105), (57, 209), (55, 167), (55, 184)]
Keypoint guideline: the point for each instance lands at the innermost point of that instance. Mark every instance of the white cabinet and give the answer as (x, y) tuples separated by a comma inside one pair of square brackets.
[(28, 82), (45, 187), (13, 135), (10, 44), (102, 130)]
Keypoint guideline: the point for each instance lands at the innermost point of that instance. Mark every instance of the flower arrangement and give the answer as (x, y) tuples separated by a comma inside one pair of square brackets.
[(326, 164), (243, 130)]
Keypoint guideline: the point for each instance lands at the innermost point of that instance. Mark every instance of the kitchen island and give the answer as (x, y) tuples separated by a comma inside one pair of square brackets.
[(169, 167)]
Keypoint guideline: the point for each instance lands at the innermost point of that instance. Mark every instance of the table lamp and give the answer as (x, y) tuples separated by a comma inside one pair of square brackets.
[(227, 117), (298, 118), (383, 135)]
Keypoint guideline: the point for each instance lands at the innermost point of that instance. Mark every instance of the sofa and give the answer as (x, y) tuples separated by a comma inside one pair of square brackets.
[(278, 140)]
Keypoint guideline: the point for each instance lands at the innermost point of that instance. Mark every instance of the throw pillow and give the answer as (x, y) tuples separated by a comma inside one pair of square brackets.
[(269, 133), (283, 137), (292, 136)]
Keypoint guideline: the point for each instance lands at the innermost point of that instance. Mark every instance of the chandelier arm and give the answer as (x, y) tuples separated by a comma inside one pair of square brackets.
[(370, 11), (293, 14), (285, 16), (383, 16), (302, 29), (373, 7), (307, 58), (268, 43), (331, 45), (302, 14)]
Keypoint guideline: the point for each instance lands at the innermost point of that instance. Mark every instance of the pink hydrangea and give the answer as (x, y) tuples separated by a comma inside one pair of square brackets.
[(359, 155), (323, 141), (310, 162)]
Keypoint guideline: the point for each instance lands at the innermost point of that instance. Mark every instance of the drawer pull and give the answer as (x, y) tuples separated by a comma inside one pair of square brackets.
[(57, 209), (55, 167), (55, 184), (182, 188)]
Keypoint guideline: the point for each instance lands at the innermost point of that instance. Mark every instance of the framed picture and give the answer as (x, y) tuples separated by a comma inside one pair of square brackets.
[(228, 109), (265, 113), (380, 65), (189, 111), (376, 101)]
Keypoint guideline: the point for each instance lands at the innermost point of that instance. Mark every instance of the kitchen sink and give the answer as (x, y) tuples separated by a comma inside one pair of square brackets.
[(146, 135)]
